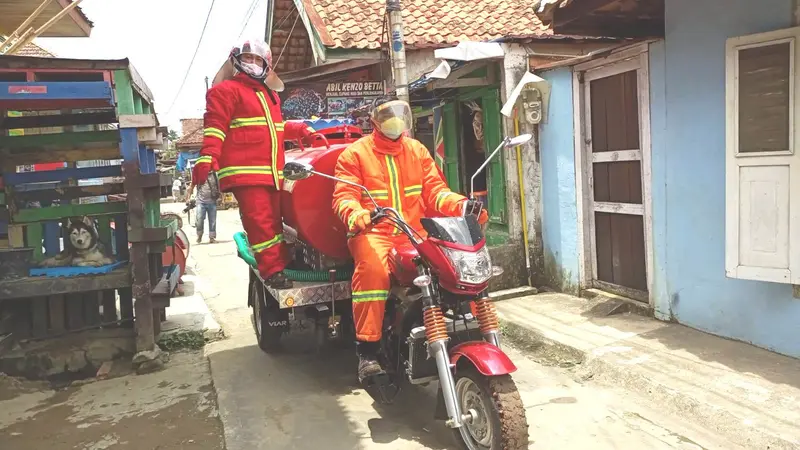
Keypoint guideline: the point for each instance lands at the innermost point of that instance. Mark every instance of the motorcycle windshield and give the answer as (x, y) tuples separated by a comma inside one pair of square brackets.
[(457, 230)]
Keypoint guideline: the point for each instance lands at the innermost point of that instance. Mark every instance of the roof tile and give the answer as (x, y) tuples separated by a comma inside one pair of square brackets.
[(357, 23), (191, 133), (30, 49)]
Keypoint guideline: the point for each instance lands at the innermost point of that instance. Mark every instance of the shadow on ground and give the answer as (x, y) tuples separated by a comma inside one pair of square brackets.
[(302, 398)]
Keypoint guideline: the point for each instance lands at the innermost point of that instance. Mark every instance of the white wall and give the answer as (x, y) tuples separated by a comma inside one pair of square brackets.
[(515, 64), (419, 62)]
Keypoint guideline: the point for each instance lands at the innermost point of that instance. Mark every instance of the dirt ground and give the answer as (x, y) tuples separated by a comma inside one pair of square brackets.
[(171, 409)]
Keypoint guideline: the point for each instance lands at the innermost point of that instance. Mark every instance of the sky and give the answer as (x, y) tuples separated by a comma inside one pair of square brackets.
[(159, 38)]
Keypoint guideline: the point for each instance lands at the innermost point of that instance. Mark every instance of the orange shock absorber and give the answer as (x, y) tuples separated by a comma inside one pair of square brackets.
[(435, 327), (487, 316)]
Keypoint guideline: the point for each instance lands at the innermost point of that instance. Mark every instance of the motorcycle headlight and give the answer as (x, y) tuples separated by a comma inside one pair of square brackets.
[(472, 268)]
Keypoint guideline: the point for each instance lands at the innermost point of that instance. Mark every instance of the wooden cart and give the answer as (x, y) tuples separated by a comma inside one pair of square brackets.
[(79, 111)]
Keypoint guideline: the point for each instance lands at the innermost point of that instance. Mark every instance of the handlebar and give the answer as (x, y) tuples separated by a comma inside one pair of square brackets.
[(315, 136), (380, 213)]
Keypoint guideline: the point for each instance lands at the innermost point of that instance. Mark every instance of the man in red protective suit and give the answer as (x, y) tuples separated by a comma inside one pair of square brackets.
[(244, 134), (400, 173)]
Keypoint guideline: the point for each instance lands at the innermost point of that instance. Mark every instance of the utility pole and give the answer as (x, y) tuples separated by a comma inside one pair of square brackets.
[(269, 22), (397, 48)]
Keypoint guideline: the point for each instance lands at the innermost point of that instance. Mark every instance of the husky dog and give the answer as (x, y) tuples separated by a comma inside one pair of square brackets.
[(82, 246)]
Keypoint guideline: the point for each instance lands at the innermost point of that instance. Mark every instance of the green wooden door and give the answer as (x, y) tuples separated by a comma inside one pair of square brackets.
[(492, 135), (450, 122)]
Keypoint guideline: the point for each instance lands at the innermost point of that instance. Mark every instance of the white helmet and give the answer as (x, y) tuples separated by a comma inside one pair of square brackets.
[(257, 48)]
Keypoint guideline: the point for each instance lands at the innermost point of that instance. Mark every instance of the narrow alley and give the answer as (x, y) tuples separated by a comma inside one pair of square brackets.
[(302, 400)]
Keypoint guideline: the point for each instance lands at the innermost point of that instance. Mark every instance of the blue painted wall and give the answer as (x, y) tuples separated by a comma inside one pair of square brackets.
[(688, 136), (559, 201)]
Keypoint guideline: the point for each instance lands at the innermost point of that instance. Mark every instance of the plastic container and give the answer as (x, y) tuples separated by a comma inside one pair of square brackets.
[(307, 205)]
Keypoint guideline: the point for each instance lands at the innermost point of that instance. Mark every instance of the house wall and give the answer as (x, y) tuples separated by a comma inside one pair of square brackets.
[(419, 62), (688, 118), (558, 192), (687, 126)]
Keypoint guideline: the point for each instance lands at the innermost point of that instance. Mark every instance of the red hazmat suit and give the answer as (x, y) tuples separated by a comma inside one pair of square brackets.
[(244, 133)]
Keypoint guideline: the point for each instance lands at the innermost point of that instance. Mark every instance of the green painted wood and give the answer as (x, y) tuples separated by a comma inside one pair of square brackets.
[(152, 212), (64, 211), (490, 101), (146, 108), (33, 236), (137, 103), (123, 90), (104, 230), (474, 93), (451, 172), (38, 142)]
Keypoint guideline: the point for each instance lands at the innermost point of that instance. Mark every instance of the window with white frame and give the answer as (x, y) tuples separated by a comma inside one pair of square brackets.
[(762, 167)]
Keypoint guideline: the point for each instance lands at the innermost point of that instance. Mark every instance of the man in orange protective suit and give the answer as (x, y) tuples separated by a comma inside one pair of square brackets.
[(399, 173), (244, 134)]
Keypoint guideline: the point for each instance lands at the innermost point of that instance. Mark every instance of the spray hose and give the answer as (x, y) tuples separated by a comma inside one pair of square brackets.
[(244, 252)]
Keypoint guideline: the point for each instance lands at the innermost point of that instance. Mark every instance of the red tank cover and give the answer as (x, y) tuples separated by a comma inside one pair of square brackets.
[(307, 205)]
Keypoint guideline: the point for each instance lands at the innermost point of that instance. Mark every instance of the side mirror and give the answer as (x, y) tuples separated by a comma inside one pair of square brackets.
[(295, 171), (518, 140)]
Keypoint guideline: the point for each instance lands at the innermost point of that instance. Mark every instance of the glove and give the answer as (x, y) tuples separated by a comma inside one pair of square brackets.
[(201, 170), (475, 208), (361, 222)]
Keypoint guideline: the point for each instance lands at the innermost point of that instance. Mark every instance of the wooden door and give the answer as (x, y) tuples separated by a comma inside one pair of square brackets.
[(617, 204)]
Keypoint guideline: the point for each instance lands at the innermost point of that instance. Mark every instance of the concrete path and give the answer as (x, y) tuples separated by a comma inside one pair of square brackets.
[(740, 391), (171, 409), (304, 400)]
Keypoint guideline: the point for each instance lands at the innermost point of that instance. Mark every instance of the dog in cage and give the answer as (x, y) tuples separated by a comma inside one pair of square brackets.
[(82, 246)]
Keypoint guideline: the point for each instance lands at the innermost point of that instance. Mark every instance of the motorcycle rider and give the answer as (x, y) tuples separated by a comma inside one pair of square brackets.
[(399, 173), (244, 133)]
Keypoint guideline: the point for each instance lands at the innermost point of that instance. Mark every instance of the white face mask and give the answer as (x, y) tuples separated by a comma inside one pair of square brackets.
[(253, 69)]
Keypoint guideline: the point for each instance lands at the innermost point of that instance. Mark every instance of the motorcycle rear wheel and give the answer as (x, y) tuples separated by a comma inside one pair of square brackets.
[(499, 416), (265, 310)]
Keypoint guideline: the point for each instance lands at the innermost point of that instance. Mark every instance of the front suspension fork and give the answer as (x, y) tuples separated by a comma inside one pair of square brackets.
[(487, 321), (436, 334)]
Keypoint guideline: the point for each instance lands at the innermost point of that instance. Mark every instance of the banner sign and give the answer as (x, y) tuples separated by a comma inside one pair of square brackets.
[(330, 100)]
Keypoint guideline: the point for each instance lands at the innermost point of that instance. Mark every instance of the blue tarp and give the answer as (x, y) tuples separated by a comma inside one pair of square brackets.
[(321, 124), (183, 158), (73, 271)]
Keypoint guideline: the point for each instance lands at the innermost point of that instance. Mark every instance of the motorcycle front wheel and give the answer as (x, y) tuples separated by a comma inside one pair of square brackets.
[(498, 417)]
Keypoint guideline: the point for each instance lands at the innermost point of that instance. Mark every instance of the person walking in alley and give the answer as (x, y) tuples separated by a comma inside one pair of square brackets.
[(244, 133), (207, 195), (176, 190)]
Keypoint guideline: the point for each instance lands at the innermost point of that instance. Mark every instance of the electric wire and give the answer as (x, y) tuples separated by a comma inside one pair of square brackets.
[(250, 12), (288, 38), (191, 63)]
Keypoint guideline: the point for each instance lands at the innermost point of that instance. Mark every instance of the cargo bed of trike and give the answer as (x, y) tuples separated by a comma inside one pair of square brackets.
[(323, 304)]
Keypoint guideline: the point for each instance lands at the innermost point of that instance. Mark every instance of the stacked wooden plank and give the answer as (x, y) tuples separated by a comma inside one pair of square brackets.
[(74, 111)]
